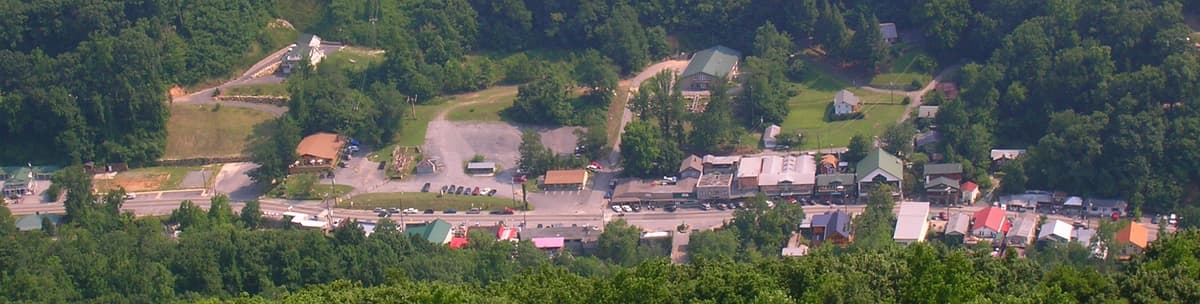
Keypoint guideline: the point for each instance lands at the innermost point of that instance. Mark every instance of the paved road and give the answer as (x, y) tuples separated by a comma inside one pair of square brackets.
[(633, 84), (205, 96)]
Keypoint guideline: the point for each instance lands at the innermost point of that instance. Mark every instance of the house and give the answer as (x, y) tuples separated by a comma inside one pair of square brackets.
[(721, 163), (958, 225), (691, 167), (18, 182), (830, 186), (306, 46), (989, 222), (481, 168), (34, 221), (1084, 237), (844, 102), (769, 135), (1026, 201), (929, 112), (1106, 207), (507, 234), (828, 164), (890, 35), (831, 227), (879, 167), (1021, 233), (952, 171), (748, 171), (568, 180), (579, 240), (318, 152), (912, 223), (707, 66), (788, 175), (1073, 205), (970, 191), (1002, 156), (1056, 231), (1132, 240), (654, 192), (437, 232), (714, 185), (943, 190), (427, 166)]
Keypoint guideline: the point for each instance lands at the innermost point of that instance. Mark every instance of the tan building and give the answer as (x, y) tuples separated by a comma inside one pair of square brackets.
[(749, 168), (317, 152), (565, 179), (788, 175)]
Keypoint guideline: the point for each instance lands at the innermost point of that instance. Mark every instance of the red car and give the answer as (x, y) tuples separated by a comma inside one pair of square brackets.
[(475, 192), (519, 179)]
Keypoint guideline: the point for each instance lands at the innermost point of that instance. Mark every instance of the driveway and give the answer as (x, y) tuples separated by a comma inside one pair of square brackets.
[(233, 181)]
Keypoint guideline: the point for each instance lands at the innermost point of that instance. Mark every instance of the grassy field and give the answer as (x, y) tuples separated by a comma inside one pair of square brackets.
[(322, 190), (816, 92), (430, 200), (204, 131), (902, 72), (353, 59), (486, 106), (153, 178), (262, 89)]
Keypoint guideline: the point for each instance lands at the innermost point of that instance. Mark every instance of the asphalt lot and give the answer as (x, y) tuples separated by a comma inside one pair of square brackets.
[(233, 181)]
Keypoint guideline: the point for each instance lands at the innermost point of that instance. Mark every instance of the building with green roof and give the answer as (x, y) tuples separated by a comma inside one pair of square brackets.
[(34, 221), (706, 66), (880, 167), (437, 232)]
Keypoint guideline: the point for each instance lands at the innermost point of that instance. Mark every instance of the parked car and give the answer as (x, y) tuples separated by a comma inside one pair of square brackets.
[(705, 206), (129, 196), (450, 211), (443, 189), (608, 194), (378, 210), (473, 211), (492, 192), (636, 208), (670, 207), (425, 188), (393, 210), (616, 208), (428, 211), (509, 210), (720, 206), (626, 208), (475, 192), (384, 214), (459, 190), (411, 211), (519, 178), (451, 189), (382, 165)]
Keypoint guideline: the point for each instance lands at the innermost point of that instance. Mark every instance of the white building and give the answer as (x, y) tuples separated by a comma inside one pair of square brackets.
[(912, 223), (1056, 231), (844, 102)]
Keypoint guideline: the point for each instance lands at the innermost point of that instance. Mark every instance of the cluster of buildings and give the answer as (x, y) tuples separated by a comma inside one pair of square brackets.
[(796, 175), (579, 240)]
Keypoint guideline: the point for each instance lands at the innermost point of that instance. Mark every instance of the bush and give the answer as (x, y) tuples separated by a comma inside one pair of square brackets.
[(906, 101), (796, 69), (924, 63), (216, 92), (477, 158), (915, 85)]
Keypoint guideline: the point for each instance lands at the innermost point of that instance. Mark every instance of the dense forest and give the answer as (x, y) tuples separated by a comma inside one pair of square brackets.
[(217, 256)]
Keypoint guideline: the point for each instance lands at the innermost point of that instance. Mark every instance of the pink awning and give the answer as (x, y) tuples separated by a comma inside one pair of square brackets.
[(548, 242)]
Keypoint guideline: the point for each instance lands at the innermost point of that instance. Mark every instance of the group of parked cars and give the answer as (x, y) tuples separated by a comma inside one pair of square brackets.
[(389, 211), (464, 190)]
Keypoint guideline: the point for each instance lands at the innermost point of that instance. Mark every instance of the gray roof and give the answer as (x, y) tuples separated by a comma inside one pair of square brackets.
[(691, 162), (716, 61), (845, 96), (958, 224), (839, 222), (34, 221), (482, 165), (952, 168), (1107, 203), (943, 181), (888, 30), (827, 179)]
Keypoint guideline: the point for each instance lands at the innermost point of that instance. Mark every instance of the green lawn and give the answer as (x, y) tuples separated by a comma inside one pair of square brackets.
[(413, 132), (353, 59), (486, 106), (902, 72), (321, 190), (807, 113), (262, 89), (430, 200), (205, 131)]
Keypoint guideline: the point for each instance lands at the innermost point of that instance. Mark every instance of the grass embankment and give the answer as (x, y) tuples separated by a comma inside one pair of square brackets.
[(262, 89), (206, 131), (808, 108), (484, 105), (155, 179), (430, 200), (903, 72), (353, 59)]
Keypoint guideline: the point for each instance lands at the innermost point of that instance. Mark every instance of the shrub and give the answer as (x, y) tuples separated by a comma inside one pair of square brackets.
[(906, 101)]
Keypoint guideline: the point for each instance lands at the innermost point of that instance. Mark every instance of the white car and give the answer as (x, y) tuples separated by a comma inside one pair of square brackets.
[(129, 196), (616, 208), (626, 208), (411, 211)]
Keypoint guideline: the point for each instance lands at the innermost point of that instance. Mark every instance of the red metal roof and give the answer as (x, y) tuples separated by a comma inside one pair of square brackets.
[(969, 186), (458, 242), (991, 217)]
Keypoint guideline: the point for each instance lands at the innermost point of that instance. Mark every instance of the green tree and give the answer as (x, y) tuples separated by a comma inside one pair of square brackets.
[(619, 243), (858, 148), (867, 45), (831, 30), (645, 153), (873, 229), (219, 211), (535, 157), (547, 99), (1014, 177), (714, 130), (251, 215), (713, 246), (898, 139), (273, 153)]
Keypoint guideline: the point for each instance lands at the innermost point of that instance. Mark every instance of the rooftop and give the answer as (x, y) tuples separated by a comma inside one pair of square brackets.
[(566, 177), (880, 159), (716, 61), (714, 179), (585, 234), (321, 145), (437, 232), (1135, 234), (937, 169), (990, 217), (959, 223), (845, 96), (548, 242), (888, 30), (692, 162), (839, 221), (34, 221), (750, 166), (481, 166), (791, 169), (998, 154), (721, 160), (843, 178), (1056, 230), (942, 181), (640, 190), (911, 221), (1022, 227)]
